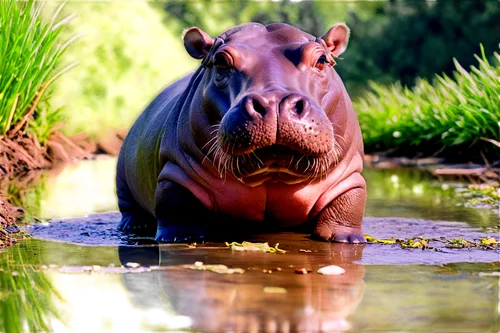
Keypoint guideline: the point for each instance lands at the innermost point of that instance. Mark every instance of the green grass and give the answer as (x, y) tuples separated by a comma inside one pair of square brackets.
[(458, 111), (30, 56)]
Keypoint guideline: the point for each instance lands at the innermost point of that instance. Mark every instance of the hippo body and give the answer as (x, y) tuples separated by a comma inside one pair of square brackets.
[(264, 130)]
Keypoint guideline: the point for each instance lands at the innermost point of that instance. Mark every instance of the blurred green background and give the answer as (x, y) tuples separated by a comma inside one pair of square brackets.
[(390, 40)]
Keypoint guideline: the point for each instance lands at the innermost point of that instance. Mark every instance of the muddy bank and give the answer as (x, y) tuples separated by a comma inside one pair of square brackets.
[(22, 158), (441, 168), (9, 215), (22, 153)]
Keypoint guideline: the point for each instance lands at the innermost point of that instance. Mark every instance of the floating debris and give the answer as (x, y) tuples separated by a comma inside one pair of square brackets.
[(488, 243), (220, 269), (459, 243), (307, 251), (275, 290), (415, 243), (331, 270), (482, 196), (371, 239), (254, 247), (302, 271)]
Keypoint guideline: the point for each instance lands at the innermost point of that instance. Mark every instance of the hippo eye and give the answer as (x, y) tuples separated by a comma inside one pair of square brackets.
[(320, 64), (222, 61)]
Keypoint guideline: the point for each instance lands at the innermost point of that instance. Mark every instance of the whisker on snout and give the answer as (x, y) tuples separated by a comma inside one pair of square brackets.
[(225, 162)]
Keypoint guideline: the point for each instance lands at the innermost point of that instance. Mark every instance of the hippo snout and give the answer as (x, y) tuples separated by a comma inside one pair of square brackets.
[(266, 119)]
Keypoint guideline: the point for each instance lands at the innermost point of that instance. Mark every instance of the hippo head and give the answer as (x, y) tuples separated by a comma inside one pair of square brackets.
[(272, 106)]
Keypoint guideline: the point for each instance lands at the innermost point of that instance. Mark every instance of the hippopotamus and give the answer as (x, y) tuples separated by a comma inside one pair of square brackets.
[(263, 132)]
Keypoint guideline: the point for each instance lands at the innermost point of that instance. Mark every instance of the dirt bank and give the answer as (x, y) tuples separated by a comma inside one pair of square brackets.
[(9, 215), (474, 173), (21, 155)]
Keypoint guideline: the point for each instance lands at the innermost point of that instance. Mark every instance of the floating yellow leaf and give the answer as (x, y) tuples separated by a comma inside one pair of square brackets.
[(254, 247), (488, 241)]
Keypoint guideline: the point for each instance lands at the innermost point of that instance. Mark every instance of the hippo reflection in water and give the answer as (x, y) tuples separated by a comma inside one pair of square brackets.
[(312, 303), (263, 131)]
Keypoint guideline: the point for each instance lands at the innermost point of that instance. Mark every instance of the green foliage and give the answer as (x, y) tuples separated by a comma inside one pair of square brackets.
[(314, 17), (30, 55), (407, 39), (398, 40), (127, 55), (454, 111)]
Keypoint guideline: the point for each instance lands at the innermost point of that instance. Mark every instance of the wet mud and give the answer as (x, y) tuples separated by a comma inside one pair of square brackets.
[(100, 230)]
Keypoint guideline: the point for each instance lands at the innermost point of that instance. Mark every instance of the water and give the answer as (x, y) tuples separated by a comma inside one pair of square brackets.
[(369, 297)]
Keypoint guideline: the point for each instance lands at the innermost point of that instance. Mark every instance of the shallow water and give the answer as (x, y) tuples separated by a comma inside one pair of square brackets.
[(384, 288)]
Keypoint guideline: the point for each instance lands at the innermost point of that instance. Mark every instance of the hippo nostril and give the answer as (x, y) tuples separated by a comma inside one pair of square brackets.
[(257, 107)]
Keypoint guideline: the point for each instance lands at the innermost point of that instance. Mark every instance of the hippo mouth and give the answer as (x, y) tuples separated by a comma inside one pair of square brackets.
[(276, 163)]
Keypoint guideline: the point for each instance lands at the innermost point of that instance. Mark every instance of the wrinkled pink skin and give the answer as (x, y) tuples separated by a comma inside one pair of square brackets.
[(169, 145)]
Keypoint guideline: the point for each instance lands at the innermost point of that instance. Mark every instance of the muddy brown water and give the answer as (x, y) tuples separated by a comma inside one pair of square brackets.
[(73, 274)]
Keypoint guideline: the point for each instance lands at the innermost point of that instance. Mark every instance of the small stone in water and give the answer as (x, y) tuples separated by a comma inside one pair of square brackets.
[(132, 264), (331, 270)]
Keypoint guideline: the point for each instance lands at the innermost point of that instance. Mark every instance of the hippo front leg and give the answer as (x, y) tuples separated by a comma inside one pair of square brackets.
[(179, 213), (340, 221)]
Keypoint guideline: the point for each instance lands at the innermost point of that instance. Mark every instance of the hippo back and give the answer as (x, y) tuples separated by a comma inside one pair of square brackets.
[(139, 161)]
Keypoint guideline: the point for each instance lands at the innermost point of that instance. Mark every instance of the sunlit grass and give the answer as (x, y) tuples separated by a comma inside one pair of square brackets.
[(30, 57), (452, 111)]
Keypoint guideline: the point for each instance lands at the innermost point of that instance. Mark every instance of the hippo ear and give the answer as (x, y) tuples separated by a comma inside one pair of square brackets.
[(336, 39), (197, 42)]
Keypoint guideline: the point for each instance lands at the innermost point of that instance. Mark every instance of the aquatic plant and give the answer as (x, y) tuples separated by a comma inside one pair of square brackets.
[(30, 54), (459, 111)]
